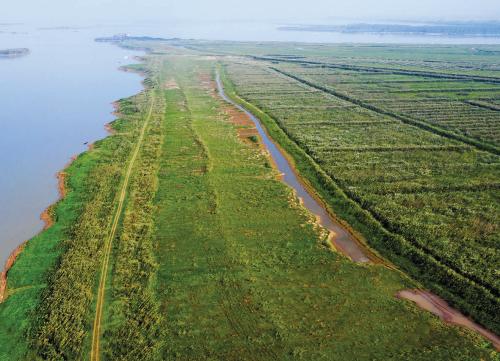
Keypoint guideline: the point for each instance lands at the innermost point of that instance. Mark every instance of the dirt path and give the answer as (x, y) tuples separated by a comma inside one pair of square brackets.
[(96, 333), (440, 308)]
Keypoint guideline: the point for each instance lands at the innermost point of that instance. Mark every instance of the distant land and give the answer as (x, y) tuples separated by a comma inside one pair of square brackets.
[(14, 53), (123, 37), (65, 28), (491, 28)]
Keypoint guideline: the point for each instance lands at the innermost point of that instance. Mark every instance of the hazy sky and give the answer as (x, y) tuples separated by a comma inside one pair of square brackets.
[(72, 12)]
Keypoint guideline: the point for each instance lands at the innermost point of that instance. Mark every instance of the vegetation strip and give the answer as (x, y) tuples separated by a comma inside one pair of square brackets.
[(96, 330), (484, 105), (492, 80), (132, 324), (405, 119), (69, 252)]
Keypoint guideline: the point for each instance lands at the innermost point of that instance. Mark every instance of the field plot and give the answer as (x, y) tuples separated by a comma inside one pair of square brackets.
[(453, 86), (450, 105), (438, 192)]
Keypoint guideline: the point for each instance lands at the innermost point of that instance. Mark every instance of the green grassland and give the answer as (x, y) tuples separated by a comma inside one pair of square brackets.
[(214, 257), (433, 186), (56, 271), (242, 271)]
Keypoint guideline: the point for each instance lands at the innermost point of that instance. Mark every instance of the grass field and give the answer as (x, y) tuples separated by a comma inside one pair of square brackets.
[(411, 150), (213, 257)]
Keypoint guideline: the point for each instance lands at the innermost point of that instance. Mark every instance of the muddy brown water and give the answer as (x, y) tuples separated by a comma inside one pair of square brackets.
[(340, 238), (345, 243)]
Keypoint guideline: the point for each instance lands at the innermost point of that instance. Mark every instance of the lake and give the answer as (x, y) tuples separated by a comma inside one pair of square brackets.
[(51, 102)]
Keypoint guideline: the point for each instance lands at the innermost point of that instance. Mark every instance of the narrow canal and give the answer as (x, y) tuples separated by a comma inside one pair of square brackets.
[(340, 238)]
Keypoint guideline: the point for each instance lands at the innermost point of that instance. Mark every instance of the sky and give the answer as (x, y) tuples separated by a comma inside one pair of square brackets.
[(86, 12)]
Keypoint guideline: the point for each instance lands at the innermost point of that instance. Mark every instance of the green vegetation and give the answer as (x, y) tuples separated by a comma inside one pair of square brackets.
[(48, 313), (214, 258), (64, 315), (242, 271), (431, 197), (132, 330)]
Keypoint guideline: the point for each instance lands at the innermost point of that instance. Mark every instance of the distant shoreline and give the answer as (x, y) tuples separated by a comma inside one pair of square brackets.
[(466, 29), (14, 53)]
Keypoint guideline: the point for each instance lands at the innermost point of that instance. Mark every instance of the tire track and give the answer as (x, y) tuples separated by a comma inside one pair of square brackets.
[(96, 330)]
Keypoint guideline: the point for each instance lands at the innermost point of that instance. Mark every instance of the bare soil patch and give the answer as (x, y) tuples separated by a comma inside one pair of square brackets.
[(8, 265), (439, 307), (208, 84), (244, 125), (170, 84)]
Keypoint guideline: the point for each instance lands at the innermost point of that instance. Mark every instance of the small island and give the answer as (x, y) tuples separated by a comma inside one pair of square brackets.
[(14, 53)]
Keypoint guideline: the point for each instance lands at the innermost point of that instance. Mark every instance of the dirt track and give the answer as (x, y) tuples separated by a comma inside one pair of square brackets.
[(96, 331), (440, 308)]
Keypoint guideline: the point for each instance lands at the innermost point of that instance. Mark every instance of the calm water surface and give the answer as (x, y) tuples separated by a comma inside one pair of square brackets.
[(51, 102), (265, 31)]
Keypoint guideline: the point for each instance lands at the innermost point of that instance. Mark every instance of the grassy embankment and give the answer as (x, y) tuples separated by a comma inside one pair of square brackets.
[(48, 312)]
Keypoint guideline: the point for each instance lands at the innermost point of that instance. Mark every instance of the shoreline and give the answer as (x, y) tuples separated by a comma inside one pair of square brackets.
[(46, 216), (8, 265), (48, 220)]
